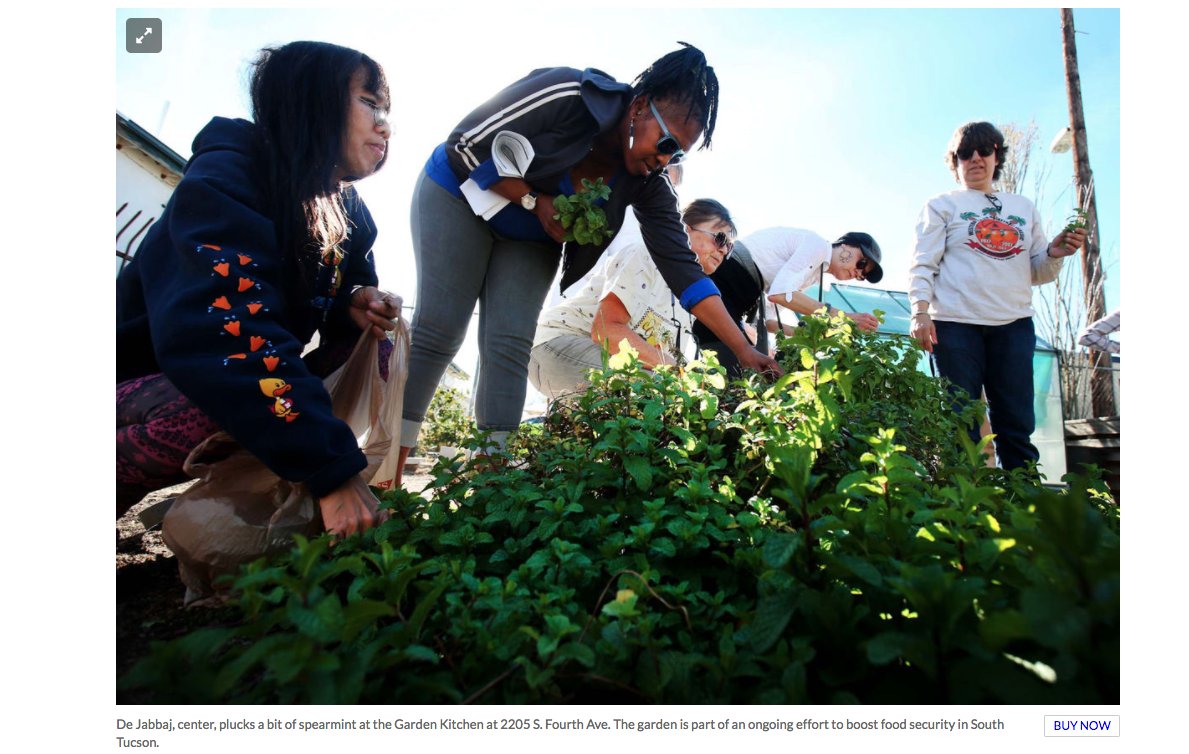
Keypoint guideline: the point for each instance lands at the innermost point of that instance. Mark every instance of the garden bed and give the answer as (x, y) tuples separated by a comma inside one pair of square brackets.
[(149, 591), (669, 538)]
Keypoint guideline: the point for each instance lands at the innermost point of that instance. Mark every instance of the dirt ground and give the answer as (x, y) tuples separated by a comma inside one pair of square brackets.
[(149, 592)]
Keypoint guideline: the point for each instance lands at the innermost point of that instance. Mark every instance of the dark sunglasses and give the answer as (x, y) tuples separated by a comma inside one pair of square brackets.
[(668, 143), (862, 265), (721, 240), (966, 153)]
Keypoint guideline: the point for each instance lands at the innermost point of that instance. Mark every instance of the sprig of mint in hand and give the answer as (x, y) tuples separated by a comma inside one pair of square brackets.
[(1076, 221), (584, 221)]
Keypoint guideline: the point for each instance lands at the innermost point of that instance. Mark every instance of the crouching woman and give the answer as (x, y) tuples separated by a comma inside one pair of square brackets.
[(626, 299), (263, 243)]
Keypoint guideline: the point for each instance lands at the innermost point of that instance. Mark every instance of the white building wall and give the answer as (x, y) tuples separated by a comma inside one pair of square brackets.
[(141, 187)]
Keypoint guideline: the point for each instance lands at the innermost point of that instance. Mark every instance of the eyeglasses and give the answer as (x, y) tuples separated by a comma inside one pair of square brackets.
[(379, 114), (862, 265), (668, 143), (721, 240), (966, 153)]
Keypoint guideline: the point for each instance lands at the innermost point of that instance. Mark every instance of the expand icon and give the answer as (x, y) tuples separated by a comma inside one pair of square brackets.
[(142, 35)]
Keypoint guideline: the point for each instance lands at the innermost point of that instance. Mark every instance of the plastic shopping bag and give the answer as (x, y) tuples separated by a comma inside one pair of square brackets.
[(239, 510)]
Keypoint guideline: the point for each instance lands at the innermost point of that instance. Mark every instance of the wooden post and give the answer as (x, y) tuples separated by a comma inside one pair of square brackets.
[(1101, 387)]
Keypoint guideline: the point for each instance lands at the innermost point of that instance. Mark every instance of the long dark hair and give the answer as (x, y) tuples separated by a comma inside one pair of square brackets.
[(300, 93), (684, 77)]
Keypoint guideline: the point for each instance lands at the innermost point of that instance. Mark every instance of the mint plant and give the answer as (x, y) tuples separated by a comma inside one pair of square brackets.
[(446, 422), (672, 538), (1077, 220), (583, 219)]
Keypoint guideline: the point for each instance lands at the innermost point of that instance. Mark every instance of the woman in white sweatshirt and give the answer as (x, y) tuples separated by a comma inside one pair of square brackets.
[(978, 252)]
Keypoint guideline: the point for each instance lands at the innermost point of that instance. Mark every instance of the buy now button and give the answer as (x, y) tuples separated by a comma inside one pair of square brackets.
[(1069, 726)]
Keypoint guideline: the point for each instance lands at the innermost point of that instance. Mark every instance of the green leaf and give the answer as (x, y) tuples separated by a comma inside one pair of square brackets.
[(861, 568), (771, 617), (424, 607), (887, 647), (361, 614), (779, 548), (640, 470), (422, 653), (1001, 628), (663, 546), (579, 653)]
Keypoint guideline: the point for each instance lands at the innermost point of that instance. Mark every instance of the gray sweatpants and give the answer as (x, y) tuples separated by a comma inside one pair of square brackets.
[(558, 366), (461, 261)]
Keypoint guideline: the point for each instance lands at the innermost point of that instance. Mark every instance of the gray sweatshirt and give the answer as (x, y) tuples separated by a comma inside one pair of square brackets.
[(977, 257)]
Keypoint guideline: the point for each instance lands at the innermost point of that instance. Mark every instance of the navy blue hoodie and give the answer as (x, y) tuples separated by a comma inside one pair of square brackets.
[(211, 301)]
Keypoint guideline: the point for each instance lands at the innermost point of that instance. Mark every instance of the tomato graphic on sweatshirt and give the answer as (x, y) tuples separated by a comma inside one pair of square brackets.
[(997, 238)]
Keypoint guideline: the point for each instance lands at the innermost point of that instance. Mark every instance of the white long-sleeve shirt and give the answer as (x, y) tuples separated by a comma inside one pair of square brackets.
[(976, 263), (789, 259)]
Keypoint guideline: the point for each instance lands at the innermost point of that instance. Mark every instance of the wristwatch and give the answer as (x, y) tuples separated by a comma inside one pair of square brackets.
[(529, 201)]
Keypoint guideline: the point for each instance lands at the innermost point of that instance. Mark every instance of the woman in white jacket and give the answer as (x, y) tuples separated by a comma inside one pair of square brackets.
[(978, 252)]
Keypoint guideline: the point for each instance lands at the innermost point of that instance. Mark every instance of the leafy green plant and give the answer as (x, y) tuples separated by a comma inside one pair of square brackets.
[(1076, 221), (583, 219), (672, 538), (446, 422)]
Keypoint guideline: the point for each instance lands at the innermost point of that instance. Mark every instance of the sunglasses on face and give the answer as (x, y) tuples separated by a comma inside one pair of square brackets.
[(721, 240), (379, 114), (668, 143), (862, 266), (966, 153)]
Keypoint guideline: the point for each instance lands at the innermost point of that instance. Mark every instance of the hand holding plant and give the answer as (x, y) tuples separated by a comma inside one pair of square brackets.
[(584, 221), (1072, 237), (1076, 221)]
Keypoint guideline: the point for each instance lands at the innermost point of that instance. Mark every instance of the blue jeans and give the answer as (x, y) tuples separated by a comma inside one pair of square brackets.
[(461, 261), (996, 359)]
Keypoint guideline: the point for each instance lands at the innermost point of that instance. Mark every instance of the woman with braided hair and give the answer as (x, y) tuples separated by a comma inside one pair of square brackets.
[(484, 228)]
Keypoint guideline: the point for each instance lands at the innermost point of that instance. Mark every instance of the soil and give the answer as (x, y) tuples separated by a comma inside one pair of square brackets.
[(149, 591)]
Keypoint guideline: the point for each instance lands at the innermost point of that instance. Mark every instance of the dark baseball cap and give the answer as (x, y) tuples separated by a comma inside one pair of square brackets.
[(866, 244)]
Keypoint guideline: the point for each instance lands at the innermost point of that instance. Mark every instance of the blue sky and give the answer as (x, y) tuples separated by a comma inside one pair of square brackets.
[(832, 120)]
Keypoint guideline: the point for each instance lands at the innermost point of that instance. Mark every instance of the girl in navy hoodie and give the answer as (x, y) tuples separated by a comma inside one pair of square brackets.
[(263, 243)]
